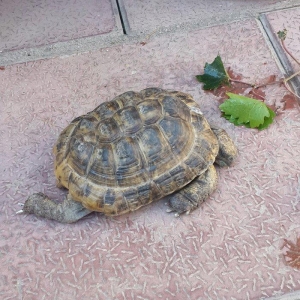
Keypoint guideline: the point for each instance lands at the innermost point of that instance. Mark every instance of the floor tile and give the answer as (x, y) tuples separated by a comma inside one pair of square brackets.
[(288, 19), (147, 16), (230, 248), (26, 24)]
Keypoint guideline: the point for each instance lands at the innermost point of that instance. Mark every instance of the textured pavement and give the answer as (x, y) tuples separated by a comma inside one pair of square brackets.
[(27, 23), (288, 19), (230, 248), (146, 16)]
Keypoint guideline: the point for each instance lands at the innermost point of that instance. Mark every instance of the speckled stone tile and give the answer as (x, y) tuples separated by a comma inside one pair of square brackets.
[(25, 23), (230, 248), (288, 19), (147, 16)]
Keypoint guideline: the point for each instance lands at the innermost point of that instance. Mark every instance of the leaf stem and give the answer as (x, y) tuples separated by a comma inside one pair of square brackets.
[(285, 81), (254, 85), (269, 83), (292, 76), (289, 53), (240, 81)]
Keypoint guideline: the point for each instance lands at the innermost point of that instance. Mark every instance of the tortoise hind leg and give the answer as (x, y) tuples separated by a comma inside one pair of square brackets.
[(227, 149), (68, 211), (192, 195)]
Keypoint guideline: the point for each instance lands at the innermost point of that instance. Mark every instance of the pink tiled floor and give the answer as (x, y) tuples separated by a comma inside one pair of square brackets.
[(230, 248), (146, 16), (26, 23), (289, 20)]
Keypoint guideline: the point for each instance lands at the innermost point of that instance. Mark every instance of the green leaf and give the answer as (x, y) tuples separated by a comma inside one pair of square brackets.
[(214, 75), (268, 120), (252, 113), (282, 34), (233, 120)]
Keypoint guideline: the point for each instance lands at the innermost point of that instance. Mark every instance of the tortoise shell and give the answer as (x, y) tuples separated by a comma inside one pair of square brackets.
[(134, 150)]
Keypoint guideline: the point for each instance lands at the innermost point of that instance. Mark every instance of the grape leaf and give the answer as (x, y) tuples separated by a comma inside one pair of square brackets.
[(252, 113), (234, 120), (268, 120), (282, 34), (214, 75)]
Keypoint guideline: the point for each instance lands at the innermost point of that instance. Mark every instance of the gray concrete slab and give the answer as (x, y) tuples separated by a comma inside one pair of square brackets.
[(33, 23), (147, 16)]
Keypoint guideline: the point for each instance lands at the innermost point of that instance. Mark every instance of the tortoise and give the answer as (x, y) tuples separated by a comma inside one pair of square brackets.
[(134, 150)]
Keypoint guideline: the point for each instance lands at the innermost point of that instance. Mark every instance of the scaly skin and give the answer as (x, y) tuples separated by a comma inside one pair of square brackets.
[(68, 211)]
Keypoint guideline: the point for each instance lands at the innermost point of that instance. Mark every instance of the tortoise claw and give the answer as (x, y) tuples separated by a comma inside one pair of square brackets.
[(170, 210), (21, 210)]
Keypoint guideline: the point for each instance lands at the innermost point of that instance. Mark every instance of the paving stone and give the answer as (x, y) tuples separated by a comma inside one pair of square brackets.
[(26, 24), (289, 20), (147, 16), (230, 248)]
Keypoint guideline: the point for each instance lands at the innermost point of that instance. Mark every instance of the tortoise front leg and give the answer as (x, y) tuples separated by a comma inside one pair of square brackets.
[(68, 211), (227, 149), (192, 195)]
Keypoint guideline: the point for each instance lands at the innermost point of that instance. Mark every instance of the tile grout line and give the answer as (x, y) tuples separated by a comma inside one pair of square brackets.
[(280, 53), (123, 16)]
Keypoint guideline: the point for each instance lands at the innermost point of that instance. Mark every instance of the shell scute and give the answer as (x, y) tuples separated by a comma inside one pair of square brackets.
[(157, 152), (108, 131), (177, 133), (109, 197), (79, 155), (102, 166), (106, 109), (179, 175), (150, 111), (128, 120), (128, 163)]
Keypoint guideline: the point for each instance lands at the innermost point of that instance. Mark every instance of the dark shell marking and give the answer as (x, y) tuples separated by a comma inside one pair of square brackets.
[(133, 150)]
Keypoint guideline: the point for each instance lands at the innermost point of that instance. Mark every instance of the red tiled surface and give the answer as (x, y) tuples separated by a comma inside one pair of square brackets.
[(288, 19), (146, 16), (25, 23), (230, 248)]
